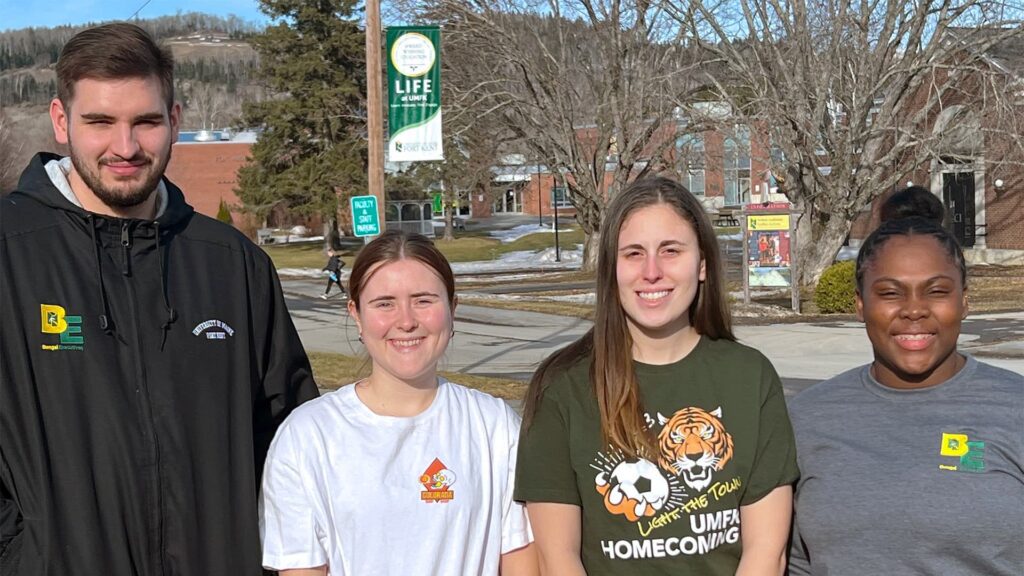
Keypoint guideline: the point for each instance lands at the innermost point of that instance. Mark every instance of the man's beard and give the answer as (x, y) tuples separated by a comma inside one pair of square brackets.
[(126, 194)]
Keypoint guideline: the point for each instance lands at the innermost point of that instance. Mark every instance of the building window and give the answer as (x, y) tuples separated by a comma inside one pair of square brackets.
[(464, 205), (694, 181), (560, 197), (737, 167), (691, 156)]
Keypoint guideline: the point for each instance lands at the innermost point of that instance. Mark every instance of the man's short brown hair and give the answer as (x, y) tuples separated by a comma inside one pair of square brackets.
[(113, 52)]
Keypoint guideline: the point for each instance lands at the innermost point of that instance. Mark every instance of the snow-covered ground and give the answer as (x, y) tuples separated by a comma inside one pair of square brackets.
[(513, 234), (582, 298), (543, 260), (523, 259)]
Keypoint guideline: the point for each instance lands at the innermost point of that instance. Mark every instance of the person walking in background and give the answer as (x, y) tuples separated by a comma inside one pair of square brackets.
[(914, 463), (148, 356), (333, 269), (402, 472), (656, 444)]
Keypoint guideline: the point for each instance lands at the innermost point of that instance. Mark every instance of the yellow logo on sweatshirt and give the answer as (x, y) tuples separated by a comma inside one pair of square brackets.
[(971, 454), (55, 320)]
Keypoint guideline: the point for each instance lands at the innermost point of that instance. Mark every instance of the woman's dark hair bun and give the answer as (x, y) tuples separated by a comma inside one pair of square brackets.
[(911, 202)]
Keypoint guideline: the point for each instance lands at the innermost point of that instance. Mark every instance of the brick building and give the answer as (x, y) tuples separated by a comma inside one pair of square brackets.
[(205, 166), (725, 169), (978, 175)]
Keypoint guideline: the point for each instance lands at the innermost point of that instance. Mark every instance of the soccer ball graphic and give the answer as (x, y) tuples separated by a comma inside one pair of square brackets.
[(633, 489)]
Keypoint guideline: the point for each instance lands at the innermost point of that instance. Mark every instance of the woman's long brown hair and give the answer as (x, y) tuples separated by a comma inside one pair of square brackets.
[(609, 345)]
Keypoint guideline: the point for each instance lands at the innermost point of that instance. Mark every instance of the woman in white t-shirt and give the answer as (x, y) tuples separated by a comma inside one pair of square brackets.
[(403, 472)]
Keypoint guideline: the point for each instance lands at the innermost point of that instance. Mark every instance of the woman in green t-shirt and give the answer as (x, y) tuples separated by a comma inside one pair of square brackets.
[(656, 444)]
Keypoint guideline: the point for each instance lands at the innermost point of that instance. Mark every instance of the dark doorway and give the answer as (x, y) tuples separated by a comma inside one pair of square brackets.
[(958, 194)]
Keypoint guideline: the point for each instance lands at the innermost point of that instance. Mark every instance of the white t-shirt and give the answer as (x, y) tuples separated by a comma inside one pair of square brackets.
[(369, 494)]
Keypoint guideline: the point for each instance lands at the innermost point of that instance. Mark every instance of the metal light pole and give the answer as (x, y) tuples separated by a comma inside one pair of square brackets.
[(374, 109), (558, 247), (540, 204)]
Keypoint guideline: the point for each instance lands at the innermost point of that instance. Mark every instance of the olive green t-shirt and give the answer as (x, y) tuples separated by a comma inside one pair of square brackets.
[(724, 441)]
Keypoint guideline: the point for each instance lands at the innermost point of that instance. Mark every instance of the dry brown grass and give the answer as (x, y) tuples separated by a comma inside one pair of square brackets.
[(996, 288), (336, 370), (585, 311), (991, 289)]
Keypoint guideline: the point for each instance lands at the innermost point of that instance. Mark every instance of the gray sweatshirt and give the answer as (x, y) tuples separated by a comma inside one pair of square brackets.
[(927, 481)]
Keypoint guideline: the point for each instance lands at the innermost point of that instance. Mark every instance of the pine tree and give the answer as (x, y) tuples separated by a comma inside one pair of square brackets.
[(224, 213), (311, 149)]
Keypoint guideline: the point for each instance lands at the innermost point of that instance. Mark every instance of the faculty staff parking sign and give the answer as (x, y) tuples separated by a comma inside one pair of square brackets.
[(414, 93), (365, 218)]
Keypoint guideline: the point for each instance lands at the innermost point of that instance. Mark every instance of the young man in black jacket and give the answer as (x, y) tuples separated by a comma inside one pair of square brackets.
[(147, 354)]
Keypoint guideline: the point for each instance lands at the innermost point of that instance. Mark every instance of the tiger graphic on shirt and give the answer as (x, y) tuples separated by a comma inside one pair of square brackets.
[(693, 445)]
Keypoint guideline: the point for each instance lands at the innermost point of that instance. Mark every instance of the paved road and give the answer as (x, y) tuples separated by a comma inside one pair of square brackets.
[(511, 343)]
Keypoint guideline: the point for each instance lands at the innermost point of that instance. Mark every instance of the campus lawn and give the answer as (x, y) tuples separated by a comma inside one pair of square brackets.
[(336, 370), (467, 247), (298, 255)]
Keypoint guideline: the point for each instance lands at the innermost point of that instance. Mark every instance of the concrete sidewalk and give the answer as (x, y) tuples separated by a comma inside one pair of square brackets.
[(509, 343)]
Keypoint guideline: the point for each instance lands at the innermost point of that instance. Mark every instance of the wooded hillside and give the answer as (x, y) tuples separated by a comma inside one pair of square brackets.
[(212, 58)]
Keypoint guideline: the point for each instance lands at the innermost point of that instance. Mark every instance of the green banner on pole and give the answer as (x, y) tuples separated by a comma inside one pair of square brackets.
[(414, 93)]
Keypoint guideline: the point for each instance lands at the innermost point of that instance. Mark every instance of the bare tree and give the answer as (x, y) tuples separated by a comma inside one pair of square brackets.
[(8, 153), (851, 94), (592, 88), (205, 105)]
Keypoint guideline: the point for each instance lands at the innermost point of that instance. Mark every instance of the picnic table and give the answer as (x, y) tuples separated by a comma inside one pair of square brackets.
[(725, 217)]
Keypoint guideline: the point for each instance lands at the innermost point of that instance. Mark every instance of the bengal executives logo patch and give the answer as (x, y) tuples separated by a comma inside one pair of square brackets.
[(968, 455), (438, 481), (54, 319)]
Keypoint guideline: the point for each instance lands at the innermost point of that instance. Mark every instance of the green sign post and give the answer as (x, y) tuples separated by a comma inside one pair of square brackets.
[(365, 219), (414, 93)]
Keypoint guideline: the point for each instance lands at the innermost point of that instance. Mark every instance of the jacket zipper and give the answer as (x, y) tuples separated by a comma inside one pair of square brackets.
[(142, 390), (126, 245)]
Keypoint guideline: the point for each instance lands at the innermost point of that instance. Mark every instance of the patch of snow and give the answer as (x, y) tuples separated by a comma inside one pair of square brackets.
[(286, 238), (307, 273), (500, 278), (513, 234), (542, 260), (847, 253), (584, 298)]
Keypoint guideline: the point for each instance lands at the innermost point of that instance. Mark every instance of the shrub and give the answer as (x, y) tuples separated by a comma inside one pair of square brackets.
[(224, 213), (836, 289)]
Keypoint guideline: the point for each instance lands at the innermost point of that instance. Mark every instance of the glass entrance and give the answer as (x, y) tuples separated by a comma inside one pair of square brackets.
[(510, 201)]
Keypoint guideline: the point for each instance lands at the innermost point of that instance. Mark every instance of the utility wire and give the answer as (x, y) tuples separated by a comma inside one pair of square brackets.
[(140, 9)]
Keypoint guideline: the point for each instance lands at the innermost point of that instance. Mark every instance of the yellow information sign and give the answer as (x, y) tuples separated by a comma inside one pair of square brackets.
[(768, 222)]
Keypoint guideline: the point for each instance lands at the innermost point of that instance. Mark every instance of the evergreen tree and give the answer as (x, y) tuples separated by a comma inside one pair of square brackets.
[(224, 213), (311, 150)]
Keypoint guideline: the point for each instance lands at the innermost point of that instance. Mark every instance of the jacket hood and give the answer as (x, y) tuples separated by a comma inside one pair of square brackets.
[(35, 183)]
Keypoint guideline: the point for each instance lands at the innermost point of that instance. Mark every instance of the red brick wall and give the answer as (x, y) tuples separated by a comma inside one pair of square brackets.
[(547, 183), (1004, 210), (207, 173)]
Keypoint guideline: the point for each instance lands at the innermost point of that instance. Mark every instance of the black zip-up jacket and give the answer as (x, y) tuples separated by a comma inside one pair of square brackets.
[(145, 366)]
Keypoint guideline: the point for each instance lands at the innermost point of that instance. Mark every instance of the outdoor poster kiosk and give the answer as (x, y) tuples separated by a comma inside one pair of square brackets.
[(768, 234)]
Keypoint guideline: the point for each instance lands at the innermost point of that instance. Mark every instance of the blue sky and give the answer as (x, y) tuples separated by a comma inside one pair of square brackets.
[(24, 13)]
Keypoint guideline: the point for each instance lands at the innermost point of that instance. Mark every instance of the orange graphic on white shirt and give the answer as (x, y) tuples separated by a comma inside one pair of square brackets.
[(438, 480)]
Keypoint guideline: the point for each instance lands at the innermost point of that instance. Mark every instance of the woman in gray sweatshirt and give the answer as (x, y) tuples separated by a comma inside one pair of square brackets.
[(911, 464)]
